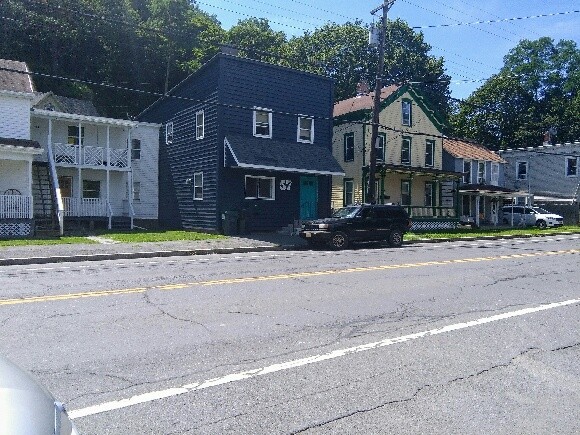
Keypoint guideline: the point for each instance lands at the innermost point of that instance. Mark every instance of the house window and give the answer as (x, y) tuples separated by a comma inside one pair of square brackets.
[(467, 171), (169, 133), (429, 193), (480, 172), (522, 170), (198, 185), (405, 192), (495, 174), (349, 147), (259, 187), (380, 147), (262, 123), (199, 124), (305, 130), (135, 149), (429, 153), (406, 151), (406, 117), (73, 135), (572, 166), (91, 189), (136, 191), (348, 192)]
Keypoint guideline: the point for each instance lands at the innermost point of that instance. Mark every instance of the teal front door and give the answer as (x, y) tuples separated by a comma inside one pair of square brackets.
[(308, 198)]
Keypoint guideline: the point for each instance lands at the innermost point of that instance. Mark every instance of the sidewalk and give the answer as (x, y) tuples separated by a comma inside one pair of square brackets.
[(43, 254)]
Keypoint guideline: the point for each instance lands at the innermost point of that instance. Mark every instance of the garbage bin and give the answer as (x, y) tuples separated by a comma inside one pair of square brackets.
[(230, 222)]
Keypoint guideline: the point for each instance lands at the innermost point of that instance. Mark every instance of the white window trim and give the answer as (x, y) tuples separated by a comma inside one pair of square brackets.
[(431, 143), (311, 140), (272, 187), (481, 180), (494, 180), (169, 133), (195, 185), (199, 136), (344, 183), (407, 162), (269, 111), (566, 167), (467, 178), (136, 191), (133, 149), (382, 136), (518, 167), (410, 122)]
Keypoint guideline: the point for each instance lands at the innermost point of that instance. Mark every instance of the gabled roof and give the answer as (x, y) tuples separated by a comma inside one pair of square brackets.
[(362, 102), (360, 108), (15, 81), (469, 150), (57, 103)]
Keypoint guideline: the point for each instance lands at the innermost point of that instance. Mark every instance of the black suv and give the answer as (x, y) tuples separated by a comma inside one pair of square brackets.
[(358, 223)]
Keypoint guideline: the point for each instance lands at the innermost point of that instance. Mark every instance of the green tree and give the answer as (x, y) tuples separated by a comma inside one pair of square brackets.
[(536, 89), (255, 39)]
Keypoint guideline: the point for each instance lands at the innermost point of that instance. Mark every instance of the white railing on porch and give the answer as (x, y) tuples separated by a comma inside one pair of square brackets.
[(15, 207), (80, 207), (431, 212), (77, 155)]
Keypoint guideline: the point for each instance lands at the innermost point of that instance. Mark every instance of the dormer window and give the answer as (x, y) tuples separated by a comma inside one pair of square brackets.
[(406, 115), (262, 123)]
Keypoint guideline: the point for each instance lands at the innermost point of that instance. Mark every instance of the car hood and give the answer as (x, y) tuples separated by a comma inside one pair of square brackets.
[(25, 406)]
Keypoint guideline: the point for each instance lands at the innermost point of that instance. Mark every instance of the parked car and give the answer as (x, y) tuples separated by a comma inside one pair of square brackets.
[(27, 407), (530, 216), (358, 223)]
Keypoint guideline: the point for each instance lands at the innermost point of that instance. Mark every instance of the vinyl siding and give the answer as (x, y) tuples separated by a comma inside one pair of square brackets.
[(15, 116)]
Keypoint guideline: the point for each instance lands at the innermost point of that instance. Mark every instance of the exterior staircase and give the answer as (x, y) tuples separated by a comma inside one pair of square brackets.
[(121, 223), (45, 219)]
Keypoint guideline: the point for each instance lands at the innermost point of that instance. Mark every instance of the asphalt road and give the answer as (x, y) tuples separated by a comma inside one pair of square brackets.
[(451, 338)]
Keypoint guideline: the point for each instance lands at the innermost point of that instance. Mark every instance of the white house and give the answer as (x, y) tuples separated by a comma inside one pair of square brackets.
[(76, 167)]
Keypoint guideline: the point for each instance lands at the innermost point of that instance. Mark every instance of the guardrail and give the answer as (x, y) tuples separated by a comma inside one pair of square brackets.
[(15, 207)]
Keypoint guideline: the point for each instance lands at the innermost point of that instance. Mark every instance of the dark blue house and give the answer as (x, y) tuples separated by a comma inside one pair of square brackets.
[(245, 145)]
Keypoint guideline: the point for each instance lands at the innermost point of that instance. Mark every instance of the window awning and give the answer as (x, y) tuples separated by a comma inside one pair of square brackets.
[(267, 154)]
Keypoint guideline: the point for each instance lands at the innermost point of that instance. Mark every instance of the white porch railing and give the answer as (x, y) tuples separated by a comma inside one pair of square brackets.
[(76, 207), (77, 155), (15, 207), (431, 212)]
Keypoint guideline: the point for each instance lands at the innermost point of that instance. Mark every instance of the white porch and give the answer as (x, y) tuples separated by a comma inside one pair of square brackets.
[(15, 207), (90, 156)]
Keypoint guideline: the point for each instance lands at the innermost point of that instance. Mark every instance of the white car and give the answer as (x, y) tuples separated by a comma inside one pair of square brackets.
[(519, 215)]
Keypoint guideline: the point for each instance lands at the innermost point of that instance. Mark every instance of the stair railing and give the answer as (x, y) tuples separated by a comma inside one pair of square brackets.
[(55, 189)]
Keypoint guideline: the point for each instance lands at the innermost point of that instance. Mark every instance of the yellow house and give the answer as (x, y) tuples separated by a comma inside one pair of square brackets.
[(409, 156)]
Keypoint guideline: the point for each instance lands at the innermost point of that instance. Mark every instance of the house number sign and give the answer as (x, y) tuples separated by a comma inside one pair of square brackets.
[(285, 184)]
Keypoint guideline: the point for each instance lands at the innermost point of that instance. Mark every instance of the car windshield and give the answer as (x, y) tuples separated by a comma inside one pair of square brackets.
[(540, 210), (345, 212)]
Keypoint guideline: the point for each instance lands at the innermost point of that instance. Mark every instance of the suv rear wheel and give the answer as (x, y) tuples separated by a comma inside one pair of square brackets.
[(395, 238), (338, 240)]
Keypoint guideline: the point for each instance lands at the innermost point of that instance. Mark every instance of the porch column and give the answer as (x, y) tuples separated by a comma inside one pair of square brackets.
[(29, 193), (477, 211), (107, 170)]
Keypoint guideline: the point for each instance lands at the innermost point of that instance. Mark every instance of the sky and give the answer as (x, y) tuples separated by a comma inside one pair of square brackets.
[(472, 52)]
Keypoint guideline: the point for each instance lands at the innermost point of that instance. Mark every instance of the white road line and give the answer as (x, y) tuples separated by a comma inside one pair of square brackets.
[(235, 377)]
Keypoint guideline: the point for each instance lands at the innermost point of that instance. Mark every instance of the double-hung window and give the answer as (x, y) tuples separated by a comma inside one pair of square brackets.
[(349, 147), (169, 133), (259, 187), (348, 191), (429, 193), (522, 170), (480, 172), (467, 171), (198, 185), (91, 189), (135, 149), (494, 174), (429, 153), (406, 112), (380, 147), (262, 123), (406, 151), (572, 166), (136, 191), (74, 138), (199, 124), (305, 130), (405, 192)]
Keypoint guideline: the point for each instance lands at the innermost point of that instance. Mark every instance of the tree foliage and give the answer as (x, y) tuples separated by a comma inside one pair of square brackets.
[(537, 89)]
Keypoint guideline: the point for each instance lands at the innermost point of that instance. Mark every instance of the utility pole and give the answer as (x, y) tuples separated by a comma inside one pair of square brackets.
[(371, 193)]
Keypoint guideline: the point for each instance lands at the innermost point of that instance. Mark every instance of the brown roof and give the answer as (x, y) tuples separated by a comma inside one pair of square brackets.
[(57, 103), (362, 102), (470, 150), (15, 81)]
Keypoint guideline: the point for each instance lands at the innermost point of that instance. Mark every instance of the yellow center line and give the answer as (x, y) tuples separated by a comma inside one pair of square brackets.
[(178, 286)]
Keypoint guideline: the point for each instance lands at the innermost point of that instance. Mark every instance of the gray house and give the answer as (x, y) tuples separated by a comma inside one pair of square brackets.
[(550, 174), (482, 190)]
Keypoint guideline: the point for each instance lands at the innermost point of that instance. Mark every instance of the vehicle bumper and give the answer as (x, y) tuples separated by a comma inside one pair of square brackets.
[(314, 235)]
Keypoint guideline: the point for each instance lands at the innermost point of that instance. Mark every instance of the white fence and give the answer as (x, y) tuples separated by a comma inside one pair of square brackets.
[(84, 207), (15, 207)]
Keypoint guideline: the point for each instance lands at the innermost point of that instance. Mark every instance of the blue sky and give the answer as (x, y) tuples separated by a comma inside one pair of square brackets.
[(472, 52)]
